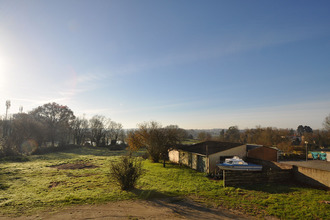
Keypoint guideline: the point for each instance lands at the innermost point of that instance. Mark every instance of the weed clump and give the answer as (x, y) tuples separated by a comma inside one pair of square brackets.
[(126, 171)]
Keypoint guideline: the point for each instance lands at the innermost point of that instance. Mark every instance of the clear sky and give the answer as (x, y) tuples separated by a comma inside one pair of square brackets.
[(197, 64)]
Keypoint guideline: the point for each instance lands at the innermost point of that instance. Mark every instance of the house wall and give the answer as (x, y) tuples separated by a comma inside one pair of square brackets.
[(263, 153), (183, 158), (173, 156), (214, 159), (194, 162)]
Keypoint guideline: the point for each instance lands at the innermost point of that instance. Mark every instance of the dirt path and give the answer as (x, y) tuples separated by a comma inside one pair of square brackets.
[(154, 209)]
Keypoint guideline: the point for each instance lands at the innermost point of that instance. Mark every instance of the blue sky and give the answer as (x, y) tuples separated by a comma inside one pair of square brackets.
[(197, 64)]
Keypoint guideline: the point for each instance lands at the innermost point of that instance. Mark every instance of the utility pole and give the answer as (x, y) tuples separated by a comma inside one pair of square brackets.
[(5, 123), (306, 142), (7, 107)]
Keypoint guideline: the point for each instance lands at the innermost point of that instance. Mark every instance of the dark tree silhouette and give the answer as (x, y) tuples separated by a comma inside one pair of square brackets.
[(57, 118)]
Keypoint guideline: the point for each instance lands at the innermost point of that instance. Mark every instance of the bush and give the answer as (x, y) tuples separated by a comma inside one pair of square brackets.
[(145, 155), (126, 171)]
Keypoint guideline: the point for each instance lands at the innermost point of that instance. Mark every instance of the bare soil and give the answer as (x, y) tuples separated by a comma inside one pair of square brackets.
[(170, 208)]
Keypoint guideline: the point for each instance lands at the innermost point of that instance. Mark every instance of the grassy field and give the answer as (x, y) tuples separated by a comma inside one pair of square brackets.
[(34, 185)]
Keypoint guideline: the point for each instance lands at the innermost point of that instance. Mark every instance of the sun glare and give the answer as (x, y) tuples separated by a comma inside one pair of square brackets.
[(2, 72)]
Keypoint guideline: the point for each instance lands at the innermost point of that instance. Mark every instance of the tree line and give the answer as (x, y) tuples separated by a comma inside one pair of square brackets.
[(284, 139), (54, 125)]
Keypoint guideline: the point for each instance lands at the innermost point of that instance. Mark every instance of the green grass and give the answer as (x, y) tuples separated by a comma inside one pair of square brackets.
[(27, 187), (190, 141)]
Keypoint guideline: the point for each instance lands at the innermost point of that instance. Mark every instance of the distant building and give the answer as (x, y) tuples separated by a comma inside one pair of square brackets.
[(262, 152), (204, 156)]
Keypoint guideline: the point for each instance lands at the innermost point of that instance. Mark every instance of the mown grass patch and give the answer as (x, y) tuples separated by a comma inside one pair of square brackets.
[(26, 187)]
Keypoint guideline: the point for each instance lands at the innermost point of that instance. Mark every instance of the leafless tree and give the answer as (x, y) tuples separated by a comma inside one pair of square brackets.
[(204, 136), (155, 138), (80, 130), (115, 131), (98, 124), (326, 123)]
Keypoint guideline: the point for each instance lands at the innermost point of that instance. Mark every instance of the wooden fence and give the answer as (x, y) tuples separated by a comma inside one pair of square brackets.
[(233, 178)]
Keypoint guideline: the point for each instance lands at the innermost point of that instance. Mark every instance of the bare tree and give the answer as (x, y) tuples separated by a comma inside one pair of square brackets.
[(115, 131), (326, 123), (98, 124), (155, 138), (204, 136), (80, 130)]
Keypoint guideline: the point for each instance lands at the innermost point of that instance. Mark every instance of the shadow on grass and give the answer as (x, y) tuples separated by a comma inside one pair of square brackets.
[(83, 151), (4, 178), (96, 151), (149, 194), (181, 206), (279, 188), (54, 156), (99, 151), (14, 159)]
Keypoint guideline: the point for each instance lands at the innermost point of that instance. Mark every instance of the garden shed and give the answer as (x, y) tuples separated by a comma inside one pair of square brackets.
[(262, 152), (204, 156)]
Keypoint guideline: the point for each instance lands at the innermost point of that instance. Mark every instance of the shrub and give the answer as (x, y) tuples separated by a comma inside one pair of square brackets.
[(126, 171)]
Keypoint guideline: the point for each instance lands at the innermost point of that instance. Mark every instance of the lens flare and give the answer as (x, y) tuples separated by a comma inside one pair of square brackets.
[(27, 147)]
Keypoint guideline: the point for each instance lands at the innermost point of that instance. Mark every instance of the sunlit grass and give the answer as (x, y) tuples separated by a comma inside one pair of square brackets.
[(26, 187)]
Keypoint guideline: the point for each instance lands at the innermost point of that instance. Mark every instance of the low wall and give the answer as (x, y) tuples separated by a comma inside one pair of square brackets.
[(233, 178), (311, 176), (304, 175)]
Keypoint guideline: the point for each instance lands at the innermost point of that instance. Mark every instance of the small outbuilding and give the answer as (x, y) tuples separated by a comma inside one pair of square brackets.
[(204, 156), (262, 152)]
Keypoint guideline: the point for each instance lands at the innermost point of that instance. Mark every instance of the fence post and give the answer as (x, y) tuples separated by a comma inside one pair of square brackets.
[(224, 178)]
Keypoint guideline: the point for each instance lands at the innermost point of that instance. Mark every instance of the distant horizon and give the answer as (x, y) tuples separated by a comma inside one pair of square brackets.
[(196, 65), (129, 128)]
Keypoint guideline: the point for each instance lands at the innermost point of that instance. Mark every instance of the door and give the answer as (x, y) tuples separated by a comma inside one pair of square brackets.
[(201, 163)]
